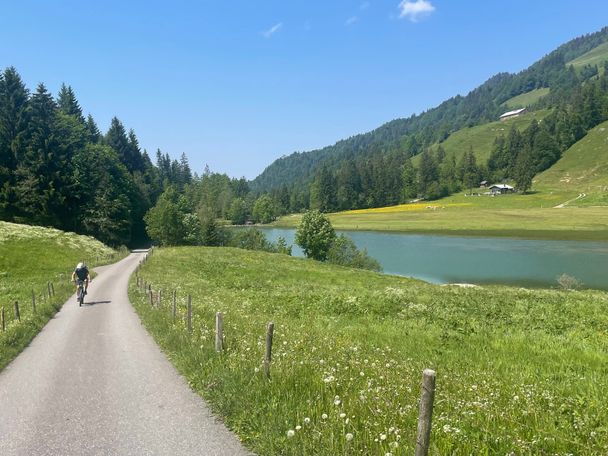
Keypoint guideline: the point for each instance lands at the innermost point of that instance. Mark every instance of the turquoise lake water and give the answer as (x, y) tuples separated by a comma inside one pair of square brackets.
[(450, 259)]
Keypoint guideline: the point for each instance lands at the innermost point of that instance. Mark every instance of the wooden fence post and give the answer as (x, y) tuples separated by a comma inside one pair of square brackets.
[(426, 413), (33, 301), (174, 309), (189, 313), (53, 288), (151, 296), (160, 298), (219, 332), (3, 318), (268, 354), (17, 313), (48, 288)]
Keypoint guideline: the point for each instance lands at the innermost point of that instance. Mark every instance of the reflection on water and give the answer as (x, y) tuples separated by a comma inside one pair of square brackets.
[(447, 259)]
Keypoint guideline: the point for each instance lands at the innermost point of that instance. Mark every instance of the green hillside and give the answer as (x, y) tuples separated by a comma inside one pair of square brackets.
[(583, 168), (350, 346), (596, 56), (526, 99), (482, 137), (30, 258), (404, 137)]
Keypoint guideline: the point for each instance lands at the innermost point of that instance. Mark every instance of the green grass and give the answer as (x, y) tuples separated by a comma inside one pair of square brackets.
[(526, 99), (30, 257), (570, 223), (596, 56), (482, 137), (518, 371), (582, 169)]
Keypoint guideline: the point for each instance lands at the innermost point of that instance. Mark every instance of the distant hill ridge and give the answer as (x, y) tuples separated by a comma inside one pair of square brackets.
[(410, 136)]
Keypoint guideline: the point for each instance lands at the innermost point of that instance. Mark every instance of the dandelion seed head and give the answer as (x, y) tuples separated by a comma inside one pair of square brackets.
[(349, 437), (291, 433)]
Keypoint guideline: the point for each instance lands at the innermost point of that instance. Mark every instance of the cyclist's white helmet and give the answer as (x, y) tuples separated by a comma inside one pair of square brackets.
[(80, 265)]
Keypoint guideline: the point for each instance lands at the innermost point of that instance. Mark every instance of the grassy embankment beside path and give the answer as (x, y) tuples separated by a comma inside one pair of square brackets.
[(30, 258), (518, 371)]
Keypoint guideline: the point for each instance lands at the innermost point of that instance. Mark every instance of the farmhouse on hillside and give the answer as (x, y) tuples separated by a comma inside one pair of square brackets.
[(501, 189), (512, 114)]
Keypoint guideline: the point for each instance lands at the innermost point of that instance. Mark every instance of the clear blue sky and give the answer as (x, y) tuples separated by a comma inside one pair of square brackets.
[(238, 84)]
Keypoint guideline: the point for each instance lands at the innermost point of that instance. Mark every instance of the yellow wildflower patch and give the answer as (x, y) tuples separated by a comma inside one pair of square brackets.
[(406, 208)]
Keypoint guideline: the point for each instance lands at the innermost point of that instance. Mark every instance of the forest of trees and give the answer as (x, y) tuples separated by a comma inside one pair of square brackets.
[(57, 169)]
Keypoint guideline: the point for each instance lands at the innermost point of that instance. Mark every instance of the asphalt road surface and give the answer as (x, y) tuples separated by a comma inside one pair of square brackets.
[(93, 382)]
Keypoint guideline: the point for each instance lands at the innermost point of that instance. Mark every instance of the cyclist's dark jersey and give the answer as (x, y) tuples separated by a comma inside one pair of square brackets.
[(82, 273)]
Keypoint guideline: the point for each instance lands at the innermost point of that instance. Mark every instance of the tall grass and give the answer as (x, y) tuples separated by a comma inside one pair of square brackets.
[(519, 371), (30, 258)]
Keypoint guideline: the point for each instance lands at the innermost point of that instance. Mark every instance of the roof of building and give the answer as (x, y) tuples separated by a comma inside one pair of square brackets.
[(505, 186), (513, 113)]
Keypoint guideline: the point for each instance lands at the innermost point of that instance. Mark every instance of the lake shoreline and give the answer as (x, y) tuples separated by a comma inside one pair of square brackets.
[(481, 260), (545, 235)]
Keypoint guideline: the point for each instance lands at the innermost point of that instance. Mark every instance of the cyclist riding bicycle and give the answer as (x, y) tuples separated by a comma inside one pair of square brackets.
[(82, 274)]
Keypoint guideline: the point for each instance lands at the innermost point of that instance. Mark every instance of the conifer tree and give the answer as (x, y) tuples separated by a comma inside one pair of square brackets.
[(39, 172), (94, 135), (13, 129), (68, 104), (408, 177), (116, 138)]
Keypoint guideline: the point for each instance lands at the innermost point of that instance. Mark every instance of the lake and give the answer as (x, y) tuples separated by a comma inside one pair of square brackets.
[(451, 259)]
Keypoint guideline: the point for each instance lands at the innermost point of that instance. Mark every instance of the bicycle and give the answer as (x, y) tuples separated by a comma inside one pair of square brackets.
[(80, 292)]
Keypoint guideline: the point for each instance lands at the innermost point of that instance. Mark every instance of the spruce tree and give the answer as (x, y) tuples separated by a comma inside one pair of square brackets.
[(68, 104), (38, 175), (408, 178), (94, 135), (14, 102)]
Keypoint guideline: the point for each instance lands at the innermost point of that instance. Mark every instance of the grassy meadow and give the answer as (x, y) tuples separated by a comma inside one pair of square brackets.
[(526, 99), (443, 217), (596, 56), (518, 371), (582, 169), (30, 257)]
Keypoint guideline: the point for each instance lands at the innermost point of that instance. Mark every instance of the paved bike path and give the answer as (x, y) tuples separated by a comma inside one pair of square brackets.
[(93, 382)]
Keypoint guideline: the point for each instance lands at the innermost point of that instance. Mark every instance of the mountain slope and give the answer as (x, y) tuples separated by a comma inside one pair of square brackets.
[(410, 136), (583, 168), (597, 56), (481, 137), (526, 99)]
